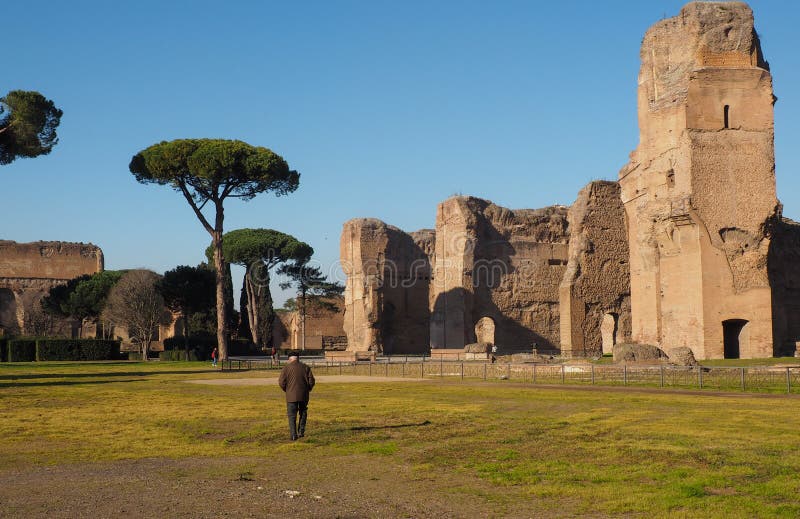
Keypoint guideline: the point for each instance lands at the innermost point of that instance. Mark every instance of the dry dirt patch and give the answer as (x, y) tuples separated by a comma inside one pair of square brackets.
[(282, 485), (320, 378)]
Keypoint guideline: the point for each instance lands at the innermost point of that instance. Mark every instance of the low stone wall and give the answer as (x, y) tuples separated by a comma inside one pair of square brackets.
[(349, 356), (450, 354)]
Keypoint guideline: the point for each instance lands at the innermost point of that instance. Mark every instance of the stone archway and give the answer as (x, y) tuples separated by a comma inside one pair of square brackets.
[(608, 332), (484, 330)]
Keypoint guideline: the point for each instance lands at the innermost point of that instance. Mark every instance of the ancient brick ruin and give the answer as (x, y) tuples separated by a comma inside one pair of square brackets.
[(689, 249), (322, 328), (488, 274), (29, 270), (699, 191), (386, 296)]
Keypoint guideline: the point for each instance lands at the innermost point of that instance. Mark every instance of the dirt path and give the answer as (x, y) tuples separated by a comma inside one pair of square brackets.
[(321, 378)]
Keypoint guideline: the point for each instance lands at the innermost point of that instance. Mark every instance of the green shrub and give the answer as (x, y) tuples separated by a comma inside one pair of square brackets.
[(99, 349), (241, 347), (203, 345), (3, 349), (57, 349), (76, 349), (177, 355), (134, 355), (21, 350)]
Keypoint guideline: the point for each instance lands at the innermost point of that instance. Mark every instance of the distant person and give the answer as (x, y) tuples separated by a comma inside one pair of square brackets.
[(297, 381), (494, 352), (274, 354), (214, 354)]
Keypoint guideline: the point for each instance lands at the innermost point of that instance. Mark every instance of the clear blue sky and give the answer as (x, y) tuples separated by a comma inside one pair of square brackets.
[(385, 108)]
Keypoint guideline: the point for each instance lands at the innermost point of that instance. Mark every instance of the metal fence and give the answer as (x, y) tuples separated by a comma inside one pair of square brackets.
[(755, 378)]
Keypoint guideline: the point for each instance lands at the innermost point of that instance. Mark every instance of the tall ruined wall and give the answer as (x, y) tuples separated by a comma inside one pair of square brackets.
[(700, 187), (323, 326), (492, 262), (784, 257), (29, 270), (48, 259), (595, 290), (386, 294)]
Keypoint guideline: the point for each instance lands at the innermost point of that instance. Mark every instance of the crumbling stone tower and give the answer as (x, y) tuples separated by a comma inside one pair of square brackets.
[(699, 190), (386, 296)]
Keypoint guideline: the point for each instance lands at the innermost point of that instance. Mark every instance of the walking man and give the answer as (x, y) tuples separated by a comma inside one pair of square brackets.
[(297, 381)]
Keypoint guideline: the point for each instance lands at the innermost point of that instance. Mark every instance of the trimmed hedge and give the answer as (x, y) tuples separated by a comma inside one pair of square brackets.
[(21, 350), (100, 349), (203, 345), (29, 349), (242, 347), (177, 355), (77, 349), (57, 349)]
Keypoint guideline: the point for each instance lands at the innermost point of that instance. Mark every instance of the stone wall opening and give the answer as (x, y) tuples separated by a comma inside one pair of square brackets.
[(608, 332), (726, 116), (733, 337), (8, 312), (484, 330)]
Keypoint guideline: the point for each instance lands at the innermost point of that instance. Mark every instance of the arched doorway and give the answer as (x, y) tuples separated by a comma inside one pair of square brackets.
[(732, 337), (608, 332), (484, 330)]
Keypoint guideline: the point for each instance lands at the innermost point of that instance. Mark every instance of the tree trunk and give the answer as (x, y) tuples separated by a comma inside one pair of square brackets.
[(252, 304), (186, 333), (266, 314), (222, 309), (243, 326), (303, 315)]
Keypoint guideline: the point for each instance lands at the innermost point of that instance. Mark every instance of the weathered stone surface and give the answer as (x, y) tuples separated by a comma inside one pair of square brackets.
[(386, 294), (323, 328), (710, 264), (631, 352), (49, 259), (595, 290), (477, 347), (495, 263), (700, 187), (682, 356), (497, 276), (29, 270)]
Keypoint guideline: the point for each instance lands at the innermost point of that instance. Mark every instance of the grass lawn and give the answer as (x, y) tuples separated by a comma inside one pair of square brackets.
[(483, 449)]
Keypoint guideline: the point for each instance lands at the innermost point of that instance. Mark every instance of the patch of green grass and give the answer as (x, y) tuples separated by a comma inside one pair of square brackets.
[(379, 448), (771, 361), (524, 450)]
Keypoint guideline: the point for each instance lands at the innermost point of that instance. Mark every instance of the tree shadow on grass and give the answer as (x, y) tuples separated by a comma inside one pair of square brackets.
[(101, 375), (60, 383), (396, 426)]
